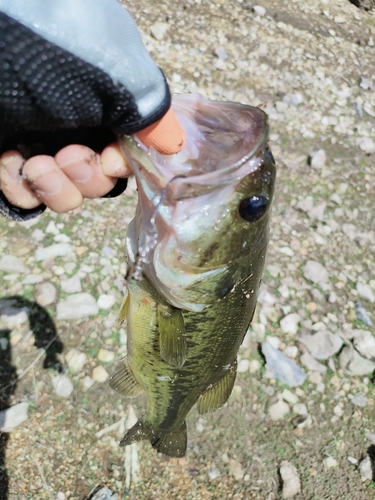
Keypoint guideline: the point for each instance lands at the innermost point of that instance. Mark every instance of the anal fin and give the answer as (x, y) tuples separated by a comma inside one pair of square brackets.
[(124, 382), (172, 339), (217, 395)]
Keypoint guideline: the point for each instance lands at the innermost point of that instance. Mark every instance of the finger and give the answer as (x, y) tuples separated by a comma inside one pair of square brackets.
[(12, 184), (50, 184), (114, 163), (83, 167)]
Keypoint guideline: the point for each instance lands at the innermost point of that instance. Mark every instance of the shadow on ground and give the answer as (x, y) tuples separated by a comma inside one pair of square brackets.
[(46, 338)]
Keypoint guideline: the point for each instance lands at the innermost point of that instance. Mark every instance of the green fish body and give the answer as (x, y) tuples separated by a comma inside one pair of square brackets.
[(196, 252)]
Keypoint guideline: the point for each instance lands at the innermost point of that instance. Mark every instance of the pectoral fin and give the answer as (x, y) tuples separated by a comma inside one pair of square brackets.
[(124, 382), (218, 394), (124, 309), (171, 335)]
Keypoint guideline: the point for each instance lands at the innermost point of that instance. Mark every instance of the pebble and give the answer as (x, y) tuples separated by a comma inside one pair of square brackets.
[(283, 368), (45, 293), (243, 366), (338, 411), (105, 301), (318, 159), (362, 314), (364, 342), (60, 496), (291, 351), (236, 469), (289, 324), (290, 478), (278, 410), (158, 30), (77, 306), (13, 417), (353, 363), (365, 292), (71, 285), (214, 473), (315, 378), (259, 10), (300, 409), (306, 204), (104, 493), (99, 374), (58, 250), (76, 360), (315, 272), (321, 345), (365, 469), (289, 397), (12, 317), (87, 382), (32, 279), (367, 145), (312, 364), (274, 341), (62, 386), (352, 460), (106, 356), (329, 462), (359, 400), (12, 264), (254, 366)]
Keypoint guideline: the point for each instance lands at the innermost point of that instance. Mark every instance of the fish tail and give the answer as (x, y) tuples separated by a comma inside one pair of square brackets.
[(172, 444)]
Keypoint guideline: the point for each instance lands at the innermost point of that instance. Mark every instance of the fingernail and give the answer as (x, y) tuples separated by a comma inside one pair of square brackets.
[(46, 184), (12, 166), (113, 164), (78, 171)]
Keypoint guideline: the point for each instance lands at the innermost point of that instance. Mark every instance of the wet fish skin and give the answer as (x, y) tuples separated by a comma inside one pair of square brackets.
[(198, 364)]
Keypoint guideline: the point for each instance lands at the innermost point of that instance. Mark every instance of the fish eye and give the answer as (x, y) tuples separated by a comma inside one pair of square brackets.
[(253, 208)]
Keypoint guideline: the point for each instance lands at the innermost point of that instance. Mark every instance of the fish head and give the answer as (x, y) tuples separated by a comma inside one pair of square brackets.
[(202, 218)]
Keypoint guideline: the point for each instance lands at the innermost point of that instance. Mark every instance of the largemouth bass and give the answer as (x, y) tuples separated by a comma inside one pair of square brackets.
[(196, 251)]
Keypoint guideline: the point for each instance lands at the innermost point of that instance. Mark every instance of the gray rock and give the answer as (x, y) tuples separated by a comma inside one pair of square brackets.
[(106, 301), (13, 417), (367, 145), (71, 285), (359, 400), (317, 212), (77, 306), (221, 53), (353, 363), (278, 410), (321, 345), (104, 494), (291, 480), (259, 10), (289, 324), (76, 360), (58, 250), (158, 30), (362, 314), (62, 386), (365, 292), (12, 264), (283, 368), (365, 469), (315, 272), (32, 279), (318, 159), (45, 293), (312, 364), (364, 342), (306, 204)]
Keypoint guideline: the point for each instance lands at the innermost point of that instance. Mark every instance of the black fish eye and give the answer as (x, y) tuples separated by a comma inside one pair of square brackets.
[(253, 208)]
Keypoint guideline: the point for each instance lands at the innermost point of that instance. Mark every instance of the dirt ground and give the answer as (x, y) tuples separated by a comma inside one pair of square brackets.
[(303, 62)]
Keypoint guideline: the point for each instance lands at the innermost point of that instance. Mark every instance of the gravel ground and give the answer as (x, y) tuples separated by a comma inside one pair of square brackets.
[(299, 426)]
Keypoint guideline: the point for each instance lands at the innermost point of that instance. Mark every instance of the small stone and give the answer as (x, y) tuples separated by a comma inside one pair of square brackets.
[(317, 212), (236, 469), (51, 228), (365, 292), (45, 293), (332, 299), (243, 366), (352, 460), (106, 356), (13, 417), (283, 368), (359, 400), (38, 234), (278, 410), (105, 302), (259, 10), (158, 30), (318, 159), (329, 462), (289, 397), (104, 493), (214, 473), (221, 53), (362, 314), (99, 374), (12, 264), (315, 378), (338, 411), (291, 351), (315, 272), (254, 366), (58, 250), (289, 324), (365, 469), (370, 436), (87, 382), (32, 279), (367, 145), (300, 409), (290, 479), (274, 341), (77, 306), (364, 342), (322, 345), (353, 363), (71, 285), (12, 317), (60, 496), (306, 204), (312, 364), (62, 386), (76, 360)]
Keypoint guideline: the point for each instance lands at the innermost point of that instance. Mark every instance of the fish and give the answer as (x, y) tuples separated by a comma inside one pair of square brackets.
[(196, 250)]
